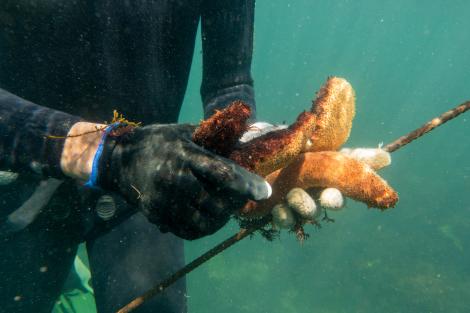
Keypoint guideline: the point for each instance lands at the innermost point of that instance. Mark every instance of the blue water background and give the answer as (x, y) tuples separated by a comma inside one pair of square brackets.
[(408, 61)]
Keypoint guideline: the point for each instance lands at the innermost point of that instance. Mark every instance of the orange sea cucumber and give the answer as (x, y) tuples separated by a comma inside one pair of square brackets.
[(285, 156), (334, 108), (353, 178), (325, 127)]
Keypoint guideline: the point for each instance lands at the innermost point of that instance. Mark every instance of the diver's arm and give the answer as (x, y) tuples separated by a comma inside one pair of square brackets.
[(38, 139), (178, 185), (24, 142), (227, 42)]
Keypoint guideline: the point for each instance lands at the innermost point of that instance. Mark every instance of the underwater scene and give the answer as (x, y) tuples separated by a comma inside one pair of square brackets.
[(408, 62)]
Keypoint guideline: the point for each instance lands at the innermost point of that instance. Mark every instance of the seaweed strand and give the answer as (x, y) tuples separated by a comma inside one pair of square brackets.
[(117, 118)]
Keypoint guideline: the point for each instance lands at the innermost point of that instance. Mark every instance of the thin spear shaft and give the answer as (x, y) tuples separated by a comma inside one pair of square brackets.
[(435, 122), (243, 233)]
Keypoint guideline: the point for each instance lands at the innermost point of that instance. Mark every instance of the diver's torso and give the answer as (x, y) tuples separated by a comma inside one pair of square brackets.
[(89, 57)]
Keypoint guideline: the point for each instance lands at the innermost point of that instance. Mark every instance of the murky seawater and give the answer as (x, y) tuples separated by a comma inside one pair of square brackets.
[(408, 62)]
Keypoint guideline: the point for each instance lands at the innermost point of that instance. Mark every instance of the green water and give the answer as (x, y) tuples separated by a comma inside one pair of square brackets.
[(408, 61)]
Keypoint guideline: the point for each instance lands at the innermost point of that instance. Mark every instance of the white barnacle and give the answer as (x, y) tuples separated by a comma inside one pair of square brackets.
[(301, 202), (258, 129), (283, 217), (332, 199)]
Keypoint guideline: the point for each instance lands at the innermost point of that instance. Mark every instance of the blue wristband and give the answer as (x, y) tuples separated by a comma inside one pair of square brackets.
[(93, 179)]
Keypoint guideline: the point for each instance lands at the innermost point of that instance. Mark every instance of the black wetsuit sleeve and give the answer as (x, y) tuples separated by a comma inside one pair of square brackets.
[(227, 43), (24, 127)]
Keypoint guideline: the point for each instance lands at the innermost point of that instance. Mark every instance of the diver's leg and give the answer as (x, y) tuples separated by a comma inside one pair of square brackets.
[(130, 259), (33, 268), (35, 261)]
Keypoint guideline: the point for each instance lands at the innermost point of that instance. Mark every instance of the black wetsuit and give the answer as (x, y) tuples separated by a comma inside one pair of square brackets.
[(87, 58)]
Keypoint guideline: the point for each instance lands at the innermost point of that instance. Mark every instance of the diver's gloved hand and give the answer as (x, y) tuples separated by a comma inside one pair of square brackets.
[(178, 185)]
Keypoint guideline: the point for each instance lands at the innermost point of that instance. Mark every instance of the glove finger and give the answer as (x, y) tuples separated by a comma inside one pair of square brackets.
[(222, 175), (214, 214), (196, 222), (199, 226)]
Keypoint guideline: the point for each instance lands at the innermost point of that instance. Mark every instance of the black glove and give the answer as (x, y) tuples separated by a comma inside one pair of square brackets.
[(178, 185)]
